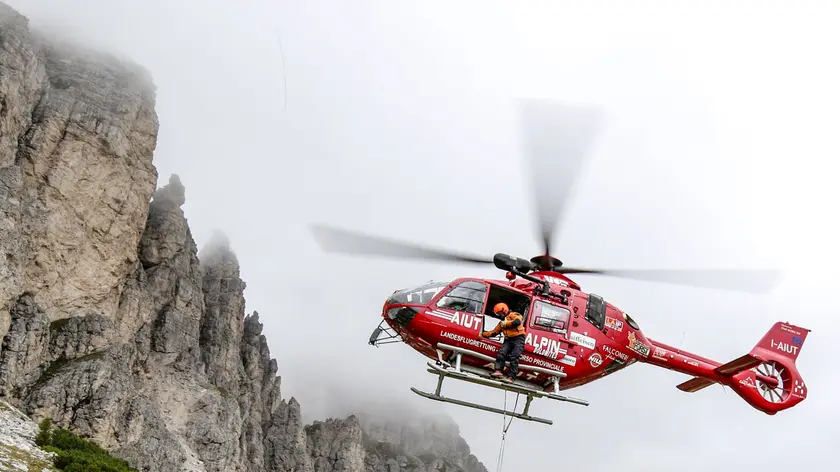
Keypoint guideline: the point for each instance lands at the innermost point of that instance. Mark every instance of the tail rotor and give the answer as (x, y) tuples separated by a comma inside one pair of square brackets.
[(767, 377), (771, 393)]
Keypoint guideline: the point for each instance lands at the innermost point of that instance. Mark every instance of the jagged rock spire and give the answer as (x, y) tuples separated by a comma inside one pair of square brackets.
[(224, 312), (172, 193)]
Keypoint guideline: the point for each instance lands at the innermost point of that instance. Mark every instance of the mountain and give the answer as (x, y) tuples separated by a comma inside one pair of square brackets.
[(113, 324)]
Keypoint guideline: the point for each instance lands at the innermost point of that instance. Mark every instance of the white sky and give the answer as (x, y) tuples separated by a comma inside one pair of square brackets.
[(721, 149)]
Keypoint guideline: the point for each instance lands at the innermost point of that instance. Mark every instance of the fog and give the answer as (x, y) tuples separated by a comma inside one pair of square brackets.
[(394, 118)]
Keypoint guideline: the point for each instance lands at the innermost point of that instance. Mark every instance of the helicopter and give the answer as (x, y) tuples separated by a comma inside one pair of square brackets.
[(573, 337)]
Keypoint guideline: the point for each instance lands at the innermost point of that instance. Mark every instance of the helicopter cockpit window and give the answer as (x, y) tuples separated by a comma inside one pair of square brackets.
[(467, 296), (596, 311), (548, 317), (420, 294)]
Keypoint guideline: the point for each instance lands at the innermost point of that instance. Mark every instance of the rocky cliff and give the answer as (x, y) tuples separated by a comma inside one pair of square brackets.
[(113, 324), (18, 452)]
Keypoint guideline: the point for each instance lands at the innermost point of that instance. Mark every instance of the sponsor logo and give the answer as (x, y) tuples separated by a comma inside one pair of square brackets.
[(659, 353), (783, 346), (692, 363), (613, 323), (613, 353), (797, 340), (581, 339), (637, 346), (798, 389), (747, 382), (595, 360)]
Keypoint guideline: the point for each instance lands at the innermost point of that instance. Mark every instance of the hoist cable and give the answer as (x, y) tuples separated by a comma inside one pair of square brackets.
[(505, 428)]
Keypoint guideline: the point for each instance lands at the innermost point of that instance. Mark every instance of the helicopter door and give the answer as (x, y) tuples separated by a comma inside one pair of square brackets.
[(465, 303), (516, 301)]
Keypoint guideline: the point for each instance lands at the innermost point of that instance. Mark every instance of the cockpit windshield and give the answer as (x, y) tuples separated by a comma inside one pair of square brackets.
[(420, 294)]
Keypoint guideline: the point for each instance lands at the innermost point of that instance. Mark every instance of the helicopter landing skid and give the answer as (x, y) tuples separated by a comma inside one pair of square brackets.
[(447, 371), (522, 416)]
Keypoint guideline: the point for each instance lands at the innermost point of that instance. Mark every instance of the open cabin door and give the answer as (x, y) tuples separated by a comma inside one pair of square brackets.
[(516, 301)]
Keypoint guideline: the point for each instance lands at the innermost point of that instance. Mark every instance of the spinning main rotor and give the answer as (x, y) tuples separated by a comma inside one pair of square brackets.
[(556, 139)]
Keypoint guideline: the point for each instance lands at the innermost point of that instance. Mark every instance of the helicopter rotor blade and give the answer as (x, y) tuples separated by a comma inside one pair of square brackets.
[(556, 138), (338, 240), (738, 280)]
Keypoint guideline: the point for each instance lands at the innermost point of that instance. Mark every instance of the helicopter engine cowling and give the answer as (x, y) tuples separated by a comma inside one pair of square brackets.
[(506, 263)]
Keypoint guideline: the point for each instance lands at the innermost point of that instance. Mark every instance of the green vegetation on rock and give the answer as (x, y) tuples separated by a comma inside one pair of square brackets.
[(75, 454)]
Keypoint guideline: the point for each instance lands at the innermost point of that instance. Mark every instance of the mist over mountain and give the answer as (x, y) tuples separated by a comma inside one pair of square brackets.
[(115, 325)]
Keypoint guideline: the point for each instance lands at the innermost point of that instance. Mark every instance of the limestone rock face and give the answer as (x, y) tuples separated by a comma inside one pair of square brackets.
[(18, 451), (77, 133), (112, 322), (24, 346)]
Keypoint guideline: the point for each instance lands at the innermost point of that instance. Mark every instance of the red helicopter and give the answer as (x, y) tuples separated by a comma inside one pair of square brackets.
[(573, 337)]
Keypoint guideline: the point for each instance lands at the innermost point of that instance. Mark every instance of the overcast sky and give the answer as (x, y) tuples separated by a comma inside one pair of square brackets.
[(720, 149)]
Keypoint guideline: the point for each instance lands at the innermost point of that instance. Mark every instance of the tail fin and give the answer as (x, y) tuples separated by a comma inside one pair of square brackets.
[(767, 377), (782, 341)]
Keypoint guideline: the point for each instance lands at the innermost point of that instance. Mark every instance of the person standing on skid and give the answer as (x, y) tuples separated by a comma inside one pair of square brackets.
[(514, 332)]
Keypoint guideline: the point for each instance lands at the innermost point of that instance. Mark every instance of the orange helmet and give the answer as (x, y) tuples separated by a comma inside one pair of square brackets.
[(501, 308)]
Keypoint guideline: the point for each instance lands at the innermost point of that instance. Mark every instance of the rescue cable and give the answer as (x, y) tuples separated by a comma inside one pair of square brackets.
[(504, 431)]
